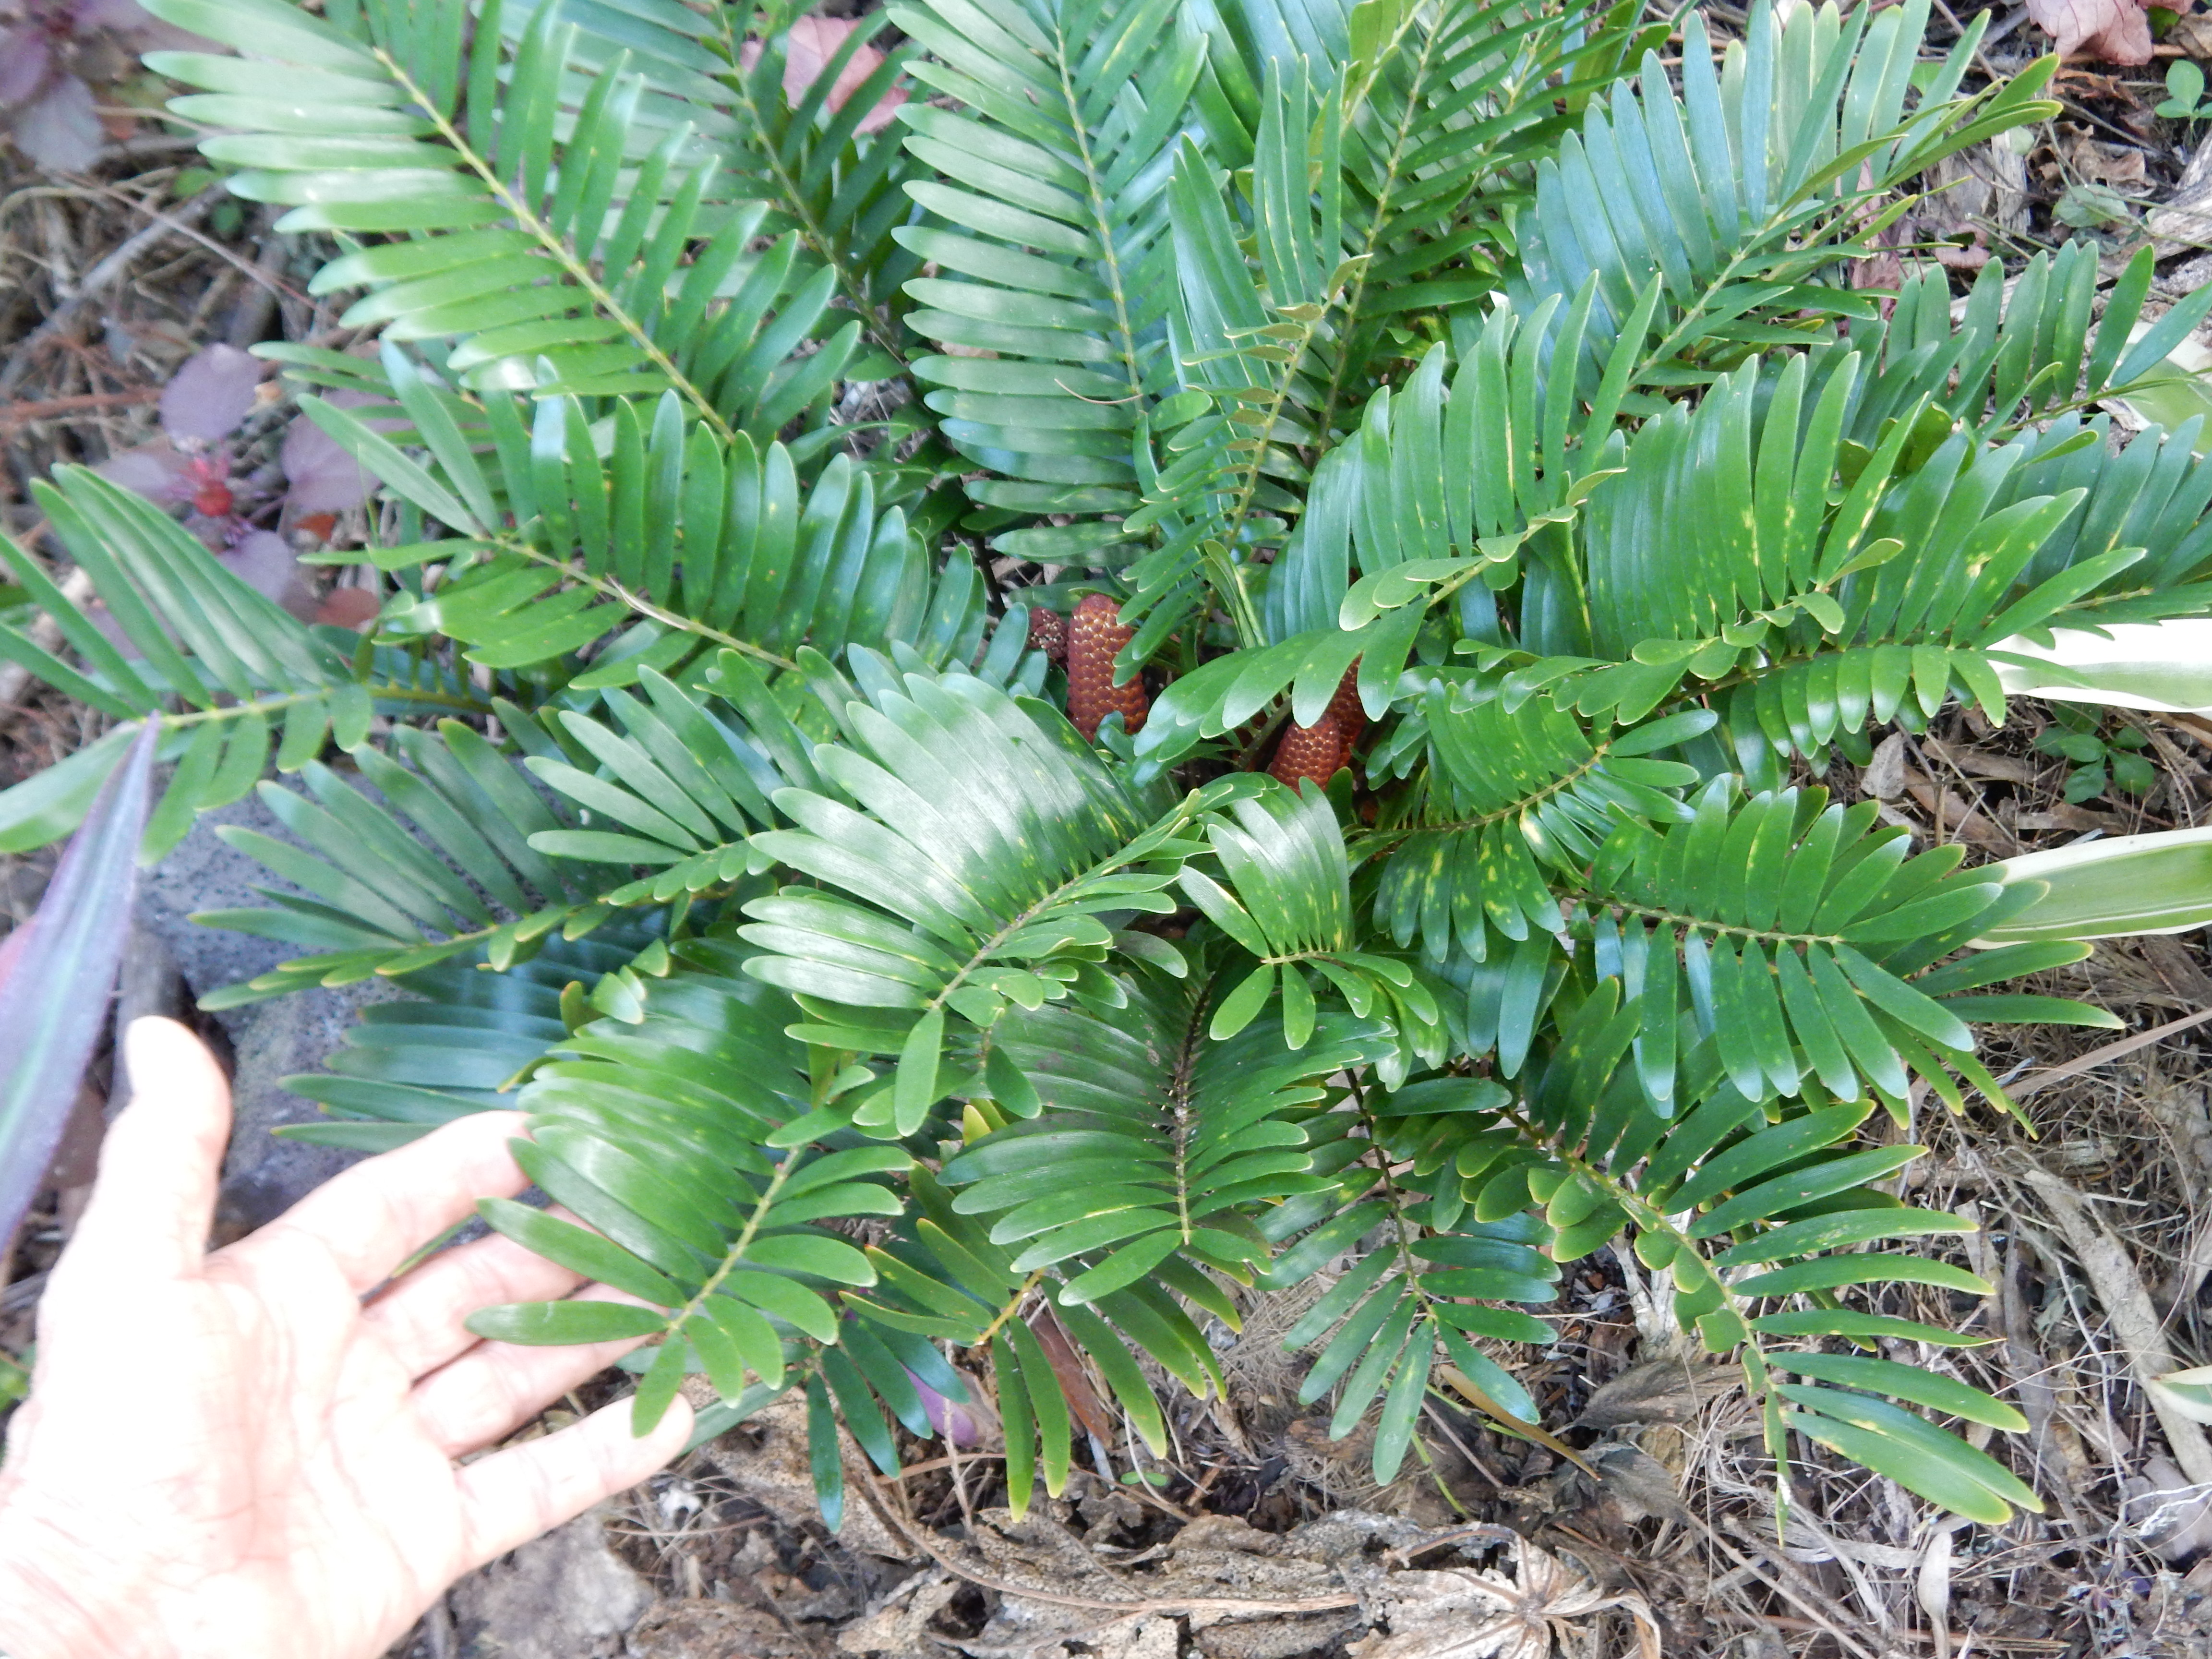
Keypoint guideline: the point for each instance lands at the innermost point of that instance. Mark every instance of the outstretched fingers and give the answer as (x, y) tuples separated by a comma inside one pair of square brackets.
[(371, 1218), (420, 1316), (496, 1386), (514, 1496)]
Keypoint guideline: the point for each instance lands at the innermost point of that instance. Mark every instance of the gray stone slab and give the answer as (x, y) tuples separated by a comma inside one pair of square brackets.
[(565, 1596), (263, 1176)]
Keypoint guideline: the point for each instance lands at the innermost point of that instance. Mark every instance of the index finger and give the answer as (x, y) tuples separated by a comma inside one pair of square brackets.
[(371, 1218)]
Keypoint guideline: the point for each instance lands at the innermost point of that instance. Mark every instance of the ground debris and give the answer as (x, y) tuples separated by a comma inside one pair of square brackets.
[(565, 1595), (1463, 1614), (703, 1628), (1244, 1594), (1672, 1390)]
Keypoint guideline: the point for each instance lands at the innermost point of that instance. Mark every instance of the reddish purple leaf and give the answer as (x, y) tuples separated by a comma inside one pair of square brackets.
[(25, 58), (138, 28), (323, 477), (265, 563), (59, 129), (962, 1425), (112, 14), (154, 470), (210, 394), (54, 1001), (12, 947)]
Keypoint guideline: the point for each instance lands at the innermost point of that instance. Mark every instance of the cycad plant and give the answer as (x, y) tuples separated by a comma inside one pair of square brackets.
[(1204, 661)]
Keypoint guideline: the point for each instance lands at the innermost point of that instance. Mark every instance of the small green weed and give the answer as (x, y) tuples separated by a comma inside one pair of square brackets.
[(2101, 763)]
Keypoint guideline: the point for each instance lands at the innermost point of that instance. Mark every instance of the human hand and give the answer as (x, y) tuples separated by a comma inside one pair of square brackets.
[(231, 1456)]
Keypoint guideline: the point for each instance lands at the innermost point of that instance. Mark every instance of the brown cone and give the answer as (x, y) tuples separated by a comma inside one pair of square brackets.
[(1093, 638), (1346, 705), (1048, 634), (1313, 752)]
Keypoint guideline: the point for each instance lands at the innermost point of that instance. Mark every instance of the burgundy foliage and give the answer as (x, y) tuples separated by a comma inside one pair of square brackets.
[(59, 974), (960, 1422), (52, 53), (193, 470)]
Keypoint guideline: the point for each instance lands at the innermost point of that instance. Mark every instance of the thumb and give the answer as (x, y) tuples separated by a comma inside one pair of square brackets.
[(153, 1200)]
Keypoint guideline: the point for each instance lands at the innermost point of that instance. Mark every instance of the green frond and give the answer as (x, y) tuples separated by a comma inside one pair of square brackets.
[(1148, 1139), (1515, 801), (442, 864), (460, 1041), (1241, 338), (1788, 929), (1444, 488), (723, 1239), (842, 192), (176, 627), (650, 527), (548, 240), (1047, 224), (2021, 346), (982, 843), (1444, 106), (1738, 190), (1285, 899)]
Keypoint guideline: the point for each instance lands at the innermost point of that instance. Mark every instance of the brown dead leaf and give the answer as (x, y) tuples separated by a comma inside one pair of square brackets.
[(1654, 1391), (2112, 1273), (347, 607), (1637, 1484), (1461, 1614), (2064, 815), (1884, 777), (766, 1458), (2162, 1508), (1956, 819), (1072, 1374), (2171, 961), (1983, 763), (2120, 166), (902, 1627), (2116, 30), (2193, 34), (807, 50), (2186, 219)]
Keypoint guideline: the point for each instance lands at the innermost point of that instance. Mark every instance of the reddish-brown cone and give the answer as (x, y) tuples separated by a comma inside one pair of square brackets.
[(1346, 705), (1093, 638), (1313, 751), (1048, 634)]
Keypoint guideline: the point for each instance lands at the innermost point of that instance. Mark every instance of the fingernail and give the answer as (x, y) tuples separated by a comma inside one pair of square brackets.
[(149, 1046)]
